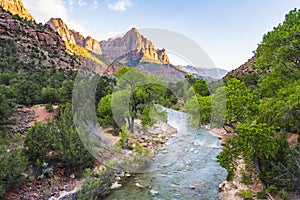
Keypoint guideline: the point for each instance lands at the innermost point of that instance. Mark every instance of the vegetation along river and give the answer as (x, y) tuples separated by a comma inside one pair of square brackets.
[(185, 170)]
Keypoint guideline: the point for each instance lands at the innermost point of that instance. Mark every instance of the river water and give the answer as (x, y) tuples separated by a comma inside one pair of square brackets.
[(185, 170)]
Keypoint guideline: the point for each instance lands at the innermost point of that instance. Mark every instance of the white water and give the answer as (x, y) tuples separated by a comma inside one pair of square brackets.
[(189, 160)]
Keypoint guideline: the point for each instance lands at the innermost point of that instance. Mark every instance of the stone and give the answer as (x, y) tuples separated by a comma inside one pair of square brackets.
[(115, 185), (192, 187), (72, 176), (139, 185), (153, 192)]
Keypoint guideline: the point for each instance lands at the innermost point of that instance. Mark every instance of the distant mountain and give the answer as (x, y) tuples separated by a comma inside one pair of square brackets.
[(213, 73), (74, 37), (133, 48), (245, 69), (16, 7)]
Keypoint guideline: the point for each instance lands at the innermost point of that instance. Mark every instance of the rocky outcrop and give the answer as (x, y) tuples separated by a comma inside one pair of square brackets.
[(74, 37), (245, 69), (16, 7), (91, 44), (134, 46), (46, 37), (78, 37), (62, 29)]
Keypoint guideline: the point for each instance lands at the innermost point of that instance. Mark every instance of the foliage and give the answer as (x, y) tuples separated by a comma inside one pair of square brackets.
[(246, 194), (12, 164), (124, 136), (255, 143), (242, 104), (261, 195), (5, 109), (199, 108), (140, 93), (39, 142), (58, 142), (104, 111)]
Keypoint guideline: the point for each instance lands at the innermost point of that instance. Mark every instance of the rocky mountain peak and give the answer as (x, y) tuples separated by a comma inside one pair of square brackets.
[(62, 29), (74, 37), (92, 45), (16, 7), (134, 45)]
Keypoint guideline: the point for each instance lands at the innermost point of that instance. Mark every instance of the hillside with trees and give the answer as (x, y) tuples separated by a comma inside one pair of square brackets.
[(263, 109)]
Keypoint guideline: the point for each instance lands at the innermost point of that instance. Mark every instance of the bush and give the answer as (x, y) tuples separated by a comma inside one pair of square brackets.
[(247, 180), (12, 164), (58, 142), (38, 142), (261, 195), (246, 194), (49, 107)]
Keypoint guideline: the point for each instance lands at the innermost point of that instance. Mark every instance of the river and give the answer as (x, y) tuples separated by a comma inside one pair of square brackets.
[(185, 170)]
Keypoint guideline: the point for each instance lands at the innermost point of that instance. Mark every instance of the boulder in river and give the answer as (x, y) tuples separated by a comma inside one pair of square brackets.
[(153, 192), (115, 185)]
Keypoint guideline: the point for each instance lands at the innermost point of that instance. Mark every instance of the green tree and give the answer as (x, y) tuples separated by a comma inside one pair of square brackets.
[(49, 95), (104, 111), (242, 104), (255, 143), (12, 164), (39, 142), (139, 92), (5, 109)]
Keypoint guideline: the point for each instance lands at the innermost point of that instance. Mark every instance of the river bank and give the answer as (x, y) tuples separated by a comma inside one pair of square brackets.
[(233, 189), (153, 139), (185, 168)]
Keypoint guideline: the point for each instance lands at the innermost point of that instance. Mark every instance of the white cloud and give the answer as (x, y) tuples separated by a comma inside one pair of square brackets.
[(43, 10), (120, 5), (80, 3), (95, 2)]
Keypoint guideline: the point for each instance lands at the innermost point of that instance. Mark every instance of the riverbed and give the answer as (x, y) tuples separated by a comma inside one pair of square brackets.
[(185, 170)]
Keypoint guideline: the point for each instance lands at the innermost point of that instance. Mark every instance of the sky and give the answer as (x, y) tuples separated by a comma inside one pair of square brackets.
[(227, 30)]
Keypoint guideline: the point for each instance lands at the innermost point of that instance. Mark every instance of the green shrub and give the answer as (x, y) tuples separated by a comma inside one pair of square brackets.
[(246, 194), (12, 164), (49, 107), (247, 180), (38, 142), (261, 195)]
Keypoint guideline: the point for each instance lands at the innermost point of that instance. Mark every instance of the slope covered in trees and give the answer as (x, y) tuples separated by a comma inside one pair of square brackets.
[(266, 111)]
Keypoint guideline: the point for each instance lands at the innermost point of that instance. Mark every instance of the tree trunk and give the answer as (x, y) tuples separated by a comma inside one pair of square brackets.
[(132, 125)]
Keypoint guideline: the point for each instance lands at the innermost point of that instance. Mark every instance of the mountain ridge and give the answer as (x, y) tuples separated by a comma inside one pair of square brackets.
[(16, 7)]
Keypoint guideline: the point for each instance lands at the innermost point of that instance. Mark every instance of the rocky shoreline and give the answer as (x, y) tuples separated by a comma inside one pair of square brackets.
[(153, 139), (230, 189)]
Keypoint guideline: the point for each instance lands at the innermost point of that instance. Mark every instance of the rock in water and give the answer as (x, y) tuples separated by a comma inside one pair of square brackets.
[(115, 185), (139, 185), (153, 192)]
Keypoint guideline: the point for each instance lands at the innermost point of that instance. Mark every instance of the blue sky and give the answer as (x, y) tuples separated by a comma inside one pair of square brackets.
[(228, 30)]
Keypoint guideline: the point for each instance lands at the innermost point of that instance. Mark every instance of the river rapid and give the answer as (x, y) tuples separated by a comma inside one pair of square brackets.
[(185, 170)]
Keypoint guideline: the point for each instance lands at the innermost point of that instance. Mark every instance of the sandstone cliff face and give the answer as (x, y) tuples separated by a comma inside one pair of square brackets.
[(133, 45), (92, 45), (62, 29), (73, 36), (16, 7), (78, 37)]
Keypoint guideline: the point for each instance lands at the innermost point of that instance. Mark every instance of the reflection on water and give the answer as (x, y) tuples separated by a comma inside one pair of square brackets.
[(185, 170)]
